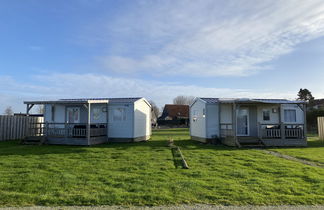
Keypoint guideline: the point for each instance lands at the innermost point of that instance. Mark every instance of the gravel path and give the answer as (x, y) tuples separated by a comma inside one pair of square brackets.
[(306, 162), (178, 207)]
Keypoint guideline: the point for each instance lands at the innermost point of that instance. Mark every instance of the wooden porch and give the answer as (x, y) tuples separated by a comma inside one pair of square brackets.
[(268, 135), (67, 133)]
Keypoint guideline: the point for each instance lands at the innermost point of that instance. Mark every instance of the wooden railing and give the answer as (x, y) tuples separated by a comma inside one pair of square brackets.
[(67, 130), (269, 131), (278, 131)]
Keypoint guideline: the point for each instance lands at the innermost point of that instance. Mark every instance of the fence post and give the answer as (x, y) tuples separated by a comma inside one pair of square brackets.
[(282, 131), (65, 130)]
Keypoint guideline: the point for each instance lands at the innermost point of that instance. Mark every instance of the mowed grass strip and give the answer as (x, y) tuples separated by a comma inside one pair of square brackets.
[(313, 152), (144, 174)]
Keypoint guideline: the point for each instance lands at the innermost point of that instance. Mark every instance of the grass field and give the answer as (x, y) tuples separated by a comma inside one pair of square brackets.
[(144, 174), (314, 151)]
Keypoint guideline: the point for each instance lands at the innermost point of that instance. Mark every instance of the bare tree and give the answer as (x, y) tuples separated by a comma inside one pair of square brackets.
[(40, 109), (183, 100), (155, 108), (8, 111)]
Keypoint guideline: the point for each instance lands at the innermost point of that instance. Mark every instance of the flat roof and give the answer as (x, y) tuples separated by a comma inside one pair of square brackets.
[(85, 101), (251, 100)]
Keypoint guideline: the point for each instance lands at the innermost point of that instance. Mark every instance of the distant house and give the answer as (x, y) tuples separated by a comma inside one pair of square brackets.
[(236, 122), (92, 121), (174, 114)]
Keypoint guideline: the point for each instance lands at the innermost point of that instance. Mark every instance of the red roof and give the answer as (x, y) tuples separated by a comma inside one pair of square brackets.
[(175, 110)]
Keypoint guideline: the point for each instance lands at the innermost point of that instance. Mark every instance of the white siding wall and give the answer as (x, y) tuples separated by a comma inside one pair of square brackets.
[(47, 113), (226, 113), (198, 126), (121, 129), (274, 117), (212, 116), (142, 119), (299, 113), (59, 114)]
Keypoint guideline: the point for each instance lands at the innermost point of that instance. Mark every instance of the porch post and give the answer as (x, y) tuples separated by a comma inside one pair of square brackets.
[(29, 107), (234, 122), (282, 129), (88, 124), (305, 121)]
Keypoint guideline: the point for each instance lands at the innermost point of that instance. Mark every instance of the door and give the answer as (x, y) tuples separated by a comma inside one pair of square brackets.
[(242, 127), (73, 115)]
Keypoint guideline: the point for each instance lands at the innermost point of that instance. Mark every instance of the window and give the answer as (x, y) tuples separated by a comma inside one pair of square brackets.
[(290, 115), (266, 115), (195, 114), (119, 114), (96, 113), (53, 113), (73, 114)]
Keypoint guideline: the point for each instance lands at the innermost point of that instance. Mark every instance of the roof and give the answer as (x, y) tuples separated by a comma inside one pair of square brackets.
[(86, 100), (111, 100), (175, 110), (249, 100)]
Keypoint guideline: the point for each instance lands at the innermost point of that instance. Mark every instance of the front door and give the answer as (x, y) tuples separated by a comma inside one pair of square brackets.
[(73, 115), (242, 128)]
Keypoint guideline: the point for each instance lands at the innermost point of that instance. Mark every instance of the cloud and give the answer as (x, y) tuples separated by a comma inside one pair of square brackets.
[(56, 86), (207, 38)]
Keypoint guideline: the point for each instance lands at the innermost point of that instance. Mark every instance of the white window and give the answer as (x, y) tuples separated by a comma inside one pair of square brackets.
[(96, 113), (73, 114), (266, 115), (195, 115), (119, 114), (290, 115)]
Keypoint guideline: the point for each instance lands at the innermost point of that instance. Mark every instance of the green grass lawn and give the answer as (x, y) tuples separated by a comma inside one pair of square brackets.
[(313, 152), (144, 174)]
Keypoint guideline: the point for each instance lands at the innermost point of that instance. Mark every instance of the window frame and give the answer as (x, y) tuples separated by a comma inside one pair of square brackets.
[(53, 113), (122, 117), (289, 120), (263, 115)]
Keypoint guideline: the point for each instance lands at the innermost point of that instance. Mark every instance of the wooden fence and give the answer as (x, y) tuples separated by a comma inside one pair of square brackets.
[(320, 124), (16, 127)]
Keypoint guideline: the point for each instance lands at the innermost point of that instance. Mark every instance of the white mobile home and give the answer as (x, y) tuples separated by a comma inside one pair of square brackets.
[(236, 122), (92, 121)]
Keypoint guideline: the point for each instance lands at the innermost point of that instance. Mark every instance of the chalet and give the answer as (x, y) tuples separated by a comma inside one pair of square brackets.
[(92, 121), (237, 122)]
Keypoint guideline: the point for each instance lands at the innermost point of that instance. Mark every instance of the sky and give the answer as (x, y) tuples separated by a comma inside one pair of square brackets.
[(159, 49)]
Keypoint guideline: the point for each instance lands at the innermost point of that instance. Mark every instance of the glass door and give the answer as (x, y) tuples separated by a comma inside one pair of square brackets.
[(73, 115), (242, 128)]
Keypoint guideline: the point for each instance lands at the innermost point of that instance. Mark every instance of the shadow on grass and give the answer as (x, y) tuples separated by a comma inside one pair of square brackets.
[(180, 136), (315, 143), (15, 148)]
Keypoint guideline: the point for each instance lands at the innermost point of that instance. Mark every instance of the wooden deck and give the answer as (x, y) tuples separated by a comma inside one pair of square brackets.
[(67, 133)]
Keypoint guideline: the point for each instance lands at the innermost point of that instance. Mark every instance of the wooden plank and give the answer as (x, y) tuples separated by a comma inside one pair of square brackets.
[(320, 124)]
